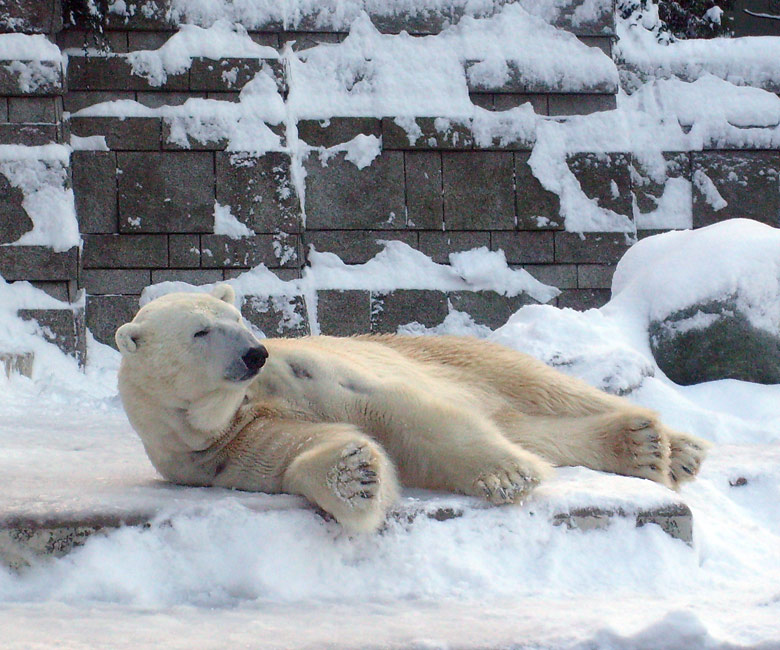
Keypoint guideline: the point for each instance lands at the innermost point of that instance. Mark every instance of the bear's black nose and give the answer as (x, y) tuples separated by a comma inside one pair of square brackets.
[(255, 358)]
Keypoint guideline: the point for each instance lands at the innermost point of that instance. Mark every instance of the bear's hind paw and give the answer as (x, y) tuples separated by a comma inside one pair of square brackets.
[(356, 478), (687, 454)]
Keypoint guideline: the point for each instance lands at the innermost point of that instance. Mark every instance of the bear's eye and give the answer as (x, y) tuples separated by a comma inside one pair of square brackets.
[(201, 333)]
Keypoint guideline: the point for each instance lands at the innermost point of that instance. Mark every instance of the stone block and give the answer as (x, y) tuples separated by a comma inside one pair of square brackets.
[(525, 246), (648, 187), (172, 141), (516, 82), (675, 520), (563, 276), (125, 251), (75, 100), (146, 40), (33, 110), (269, 39), (426, 133), (390, 311), (605, 177), (115, 281), (597, 20), (488, 307), (29, 135), (278, 315), (438, 245), (194, 277), (166, 192), (582, 299), (94, 189), (604, 43), (115, 73), (259, 191), (590, 248), (18, 363), (3, 109), (220, 251), (14, 220), (31, 16), (37, 263), (564, 104), (507, 101), (62, 327), (537, 208), (336, 130), (79, 41), (483, 100), (128, 133), (106, 313), (736, 184), (339, 195), (424, 199), (148, 15), (184, 251), (354, 246), (63, 290), (300, 40), (478, 190), (154, 99), (595, 276), (344, 313), (222, 74), (30, 78)]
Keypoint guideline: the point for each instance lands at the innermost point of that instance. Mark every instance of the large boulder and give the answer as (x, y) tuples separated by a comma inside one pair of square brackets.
[(711, 298)]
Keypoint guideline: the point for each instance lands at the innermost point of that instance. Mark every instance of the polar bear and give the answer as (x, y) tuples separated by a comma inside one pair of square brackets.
[(345, 421)]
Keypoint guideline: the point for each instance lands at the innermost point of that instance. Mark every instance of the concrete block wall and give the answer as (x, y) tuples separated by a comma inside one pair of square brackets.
[(146, 205)]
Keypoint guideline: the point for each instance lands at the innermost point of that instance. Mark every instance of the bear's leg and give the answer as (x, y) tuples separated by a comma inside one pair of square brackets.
[(439, 445), (346, 474), (631, 442)]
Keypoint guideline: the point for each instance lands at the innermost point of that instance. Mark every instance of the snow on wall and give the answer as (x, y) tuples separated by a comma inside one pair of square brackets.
[(41, 173)]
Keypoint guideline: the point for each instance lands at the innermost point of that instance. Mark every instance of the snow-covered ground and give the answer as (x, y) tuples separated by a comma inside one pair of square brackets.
[(219, 569)]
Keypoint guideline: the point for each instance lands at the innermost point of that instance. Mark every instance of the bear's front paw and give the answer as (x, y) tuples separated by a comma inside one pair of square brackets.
[(510, 481), (356, 477)]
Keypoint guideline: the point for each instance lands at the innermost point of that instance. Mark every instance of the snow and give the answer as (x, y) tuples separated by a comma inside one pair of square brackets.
[(28, 47), (225, 223), (48, 199), (275, 574), (175, 56)]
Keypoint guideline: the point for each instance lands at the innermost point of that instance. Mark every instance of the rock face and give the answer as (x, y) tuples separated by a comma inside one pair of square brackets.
[(714, 340)]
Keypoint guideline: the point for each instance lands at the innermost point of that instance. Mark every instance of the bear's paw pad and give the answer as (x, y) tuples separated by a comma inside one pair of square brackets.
[(355, 477)]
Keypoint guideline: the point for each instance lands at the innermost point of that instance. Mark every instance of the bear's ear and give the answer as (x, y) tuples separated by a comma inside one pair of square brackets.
[(225, 293), (128, 337)]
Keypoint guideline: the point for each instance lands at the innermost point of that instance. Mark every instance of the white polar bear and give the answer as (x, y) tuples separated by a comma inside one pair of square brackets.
[(342, 421)]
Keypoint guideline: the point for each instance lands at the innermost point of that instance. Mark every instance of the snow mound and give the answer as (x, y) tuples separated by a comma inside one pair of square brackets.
[(736, 259)]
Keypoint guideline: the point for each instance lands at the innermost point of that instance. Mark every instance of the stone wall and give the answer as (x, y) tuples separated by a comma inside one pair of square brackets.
[(146, 205)]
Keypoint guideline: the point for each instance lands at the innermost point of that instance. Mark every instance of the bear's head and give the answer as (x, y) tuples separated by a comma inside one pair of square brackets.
[(191, 351)]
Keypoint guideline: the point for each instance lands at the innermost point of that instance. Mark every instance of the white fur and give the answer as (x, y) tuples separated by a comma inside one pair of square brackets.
[(343, 420)]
